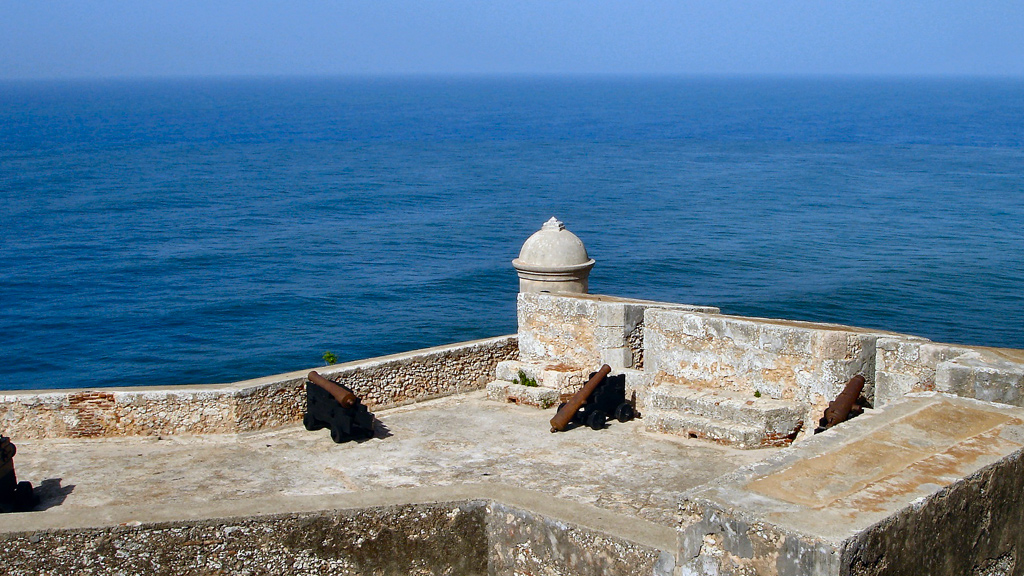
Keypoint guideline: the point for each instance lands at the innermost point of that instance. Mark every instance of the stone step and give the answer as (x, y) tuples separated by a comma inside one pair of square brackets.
[(694, 426), (538, 396), (556, 376), (774, 416)]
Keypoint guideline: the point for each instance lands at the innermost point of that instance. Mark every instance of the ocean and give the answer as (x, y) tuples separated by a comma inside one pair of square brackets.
[(159, 232)]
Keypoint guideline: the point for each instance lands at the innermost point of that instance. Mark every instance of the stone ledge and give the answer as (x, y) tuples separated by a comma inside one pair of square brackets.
[(901, 487), (537, 396), (471, 529), (246, 405)]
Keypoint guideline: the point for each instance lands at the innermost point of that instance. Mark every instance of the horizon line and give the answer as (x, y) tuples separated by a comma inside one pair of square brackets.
[(530, 75)]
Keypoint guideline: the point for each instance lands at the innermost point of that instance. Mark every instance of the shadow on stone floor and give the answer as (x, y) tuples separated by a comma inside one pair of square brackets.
[(50, 493)]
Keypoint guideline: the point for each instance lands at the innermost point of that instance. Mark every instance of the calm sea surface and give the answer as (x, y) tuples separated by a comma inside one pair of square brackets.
[(175, 232)]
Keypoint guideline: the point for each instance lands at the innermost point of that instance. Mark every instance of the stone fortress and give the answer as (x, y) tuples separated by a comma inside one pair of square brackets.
[(721, 475)]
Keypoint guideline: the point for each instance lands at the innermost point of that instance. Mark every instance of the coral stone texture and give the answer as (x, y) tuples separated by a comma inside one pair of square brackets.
[(251, 404), (720, 475)]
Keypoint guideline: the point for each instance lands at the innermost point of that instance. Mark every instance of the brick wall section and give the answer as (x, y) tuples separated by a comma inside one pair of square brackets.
[(252, 404), (92, 409)]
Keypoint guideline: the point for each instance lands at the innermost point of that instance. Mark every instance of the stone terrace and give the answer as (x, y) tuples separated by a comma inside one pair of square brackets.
[(449, 442)]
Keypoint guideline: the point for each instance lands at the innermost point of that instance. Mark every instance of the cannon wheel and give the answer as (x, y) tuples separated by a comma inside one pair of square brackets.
[(625, 412), (311, 423), (338, 435), (24, 500), (597, 419)]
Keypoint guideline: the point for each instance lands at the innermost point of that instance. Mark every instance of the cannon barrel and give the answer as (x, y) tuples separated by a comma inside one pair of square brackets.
[(839, 409), (564, 416), (343, 395)]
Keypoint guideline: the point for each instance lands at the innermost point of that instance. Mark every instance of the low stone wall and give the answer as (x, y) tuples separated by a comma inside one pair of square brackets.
[(470, 538), (523, 542), (971, 527), (415, 539), (424, 374), (990, 374), (584, 331), (251, 404), (800, 361)]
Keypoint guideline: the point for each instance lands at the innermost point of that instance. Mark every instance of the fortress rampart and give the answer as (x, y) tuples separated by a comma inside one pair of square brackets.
[(722, 475)]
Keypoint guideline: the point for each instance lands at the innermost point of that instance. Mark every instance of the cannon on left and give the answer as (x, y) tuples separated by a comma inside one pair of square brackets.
[(14, 496), (331, 405)]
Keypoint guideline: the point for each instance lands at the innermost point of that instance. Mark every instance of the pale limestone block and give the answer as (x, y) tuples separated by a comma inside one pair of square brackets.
[(610, 337), (742, 332), (611, 314), (617, 358)]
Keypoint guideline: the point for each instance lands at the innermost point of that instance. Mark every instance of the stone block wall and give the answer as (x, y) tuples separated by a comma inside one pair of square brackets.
[(584, 331), (566, 336), (469, 538), (904, 366), (990, 374), (424, 374), (524, 542), (252, 404), (799, 361), (968, 528), (927, 485), (422, 539)]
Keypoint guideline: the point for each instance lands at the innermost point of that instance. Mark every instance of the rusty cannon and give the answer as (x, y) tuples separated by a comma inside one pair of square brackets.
[(602, 397), (14, 496), (845, 406), (331, 405)]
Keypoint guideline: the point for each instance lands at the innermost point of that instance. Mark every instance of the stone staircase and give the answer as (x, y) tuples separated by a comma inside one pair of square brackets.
[(546, 382), (737, 419)]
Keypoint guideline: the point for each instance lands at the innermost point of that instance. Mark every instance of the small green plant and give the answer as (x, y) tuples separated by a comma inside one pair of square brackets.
[(757, 393), (524, 380), (330, 357)]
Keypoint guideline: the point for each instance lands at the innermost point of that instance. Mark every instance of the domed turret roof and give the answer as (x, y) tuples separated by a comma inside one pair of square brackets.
[(553, 248)]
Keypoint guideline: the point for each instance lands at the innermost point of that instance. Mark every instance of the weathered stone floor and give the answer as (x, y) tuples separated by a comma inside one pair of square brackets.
[(459, 440)]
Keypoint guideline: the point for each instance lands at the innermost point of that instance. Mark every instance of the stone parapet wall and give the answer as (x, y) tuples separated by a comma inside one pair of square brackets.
[(563, 337), (970, 527), (251, 404), (469, 538), (412, 539), (584, 331), (991, 374), (424, 374), (799, 361), (904, 366)]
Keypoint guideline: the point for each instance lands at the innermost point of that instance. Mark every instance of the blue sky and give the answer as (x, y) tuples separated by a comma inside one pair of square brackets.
[(117, 38)]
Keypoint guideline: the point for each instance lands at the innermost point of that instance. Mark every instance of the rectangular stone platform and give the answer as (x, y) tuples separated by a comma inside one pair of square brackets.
[(929, 485)]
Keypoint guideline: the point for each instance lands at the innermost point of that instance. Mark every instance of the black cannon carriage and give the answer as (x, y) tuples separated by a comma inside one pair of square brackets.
[(601, 401), (331, 405), (14, 496)]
